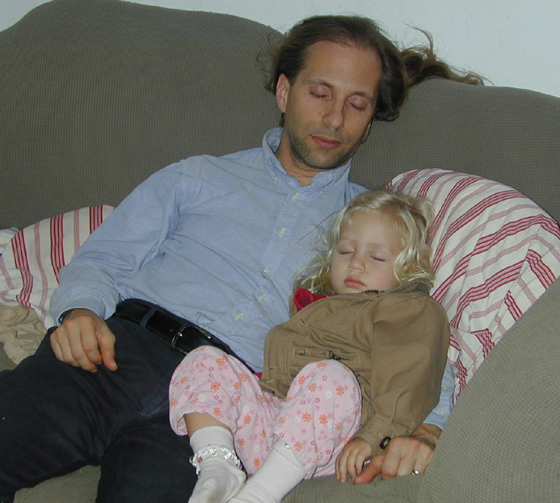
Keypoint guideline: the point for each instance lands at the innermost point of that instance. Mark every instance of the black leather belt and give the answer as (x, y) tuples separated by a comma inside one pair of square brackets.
[(183, 335)]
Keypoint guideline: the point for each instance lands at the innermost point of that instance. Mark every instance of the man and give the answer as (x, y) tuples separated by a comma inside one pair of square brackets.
[(217, 242)]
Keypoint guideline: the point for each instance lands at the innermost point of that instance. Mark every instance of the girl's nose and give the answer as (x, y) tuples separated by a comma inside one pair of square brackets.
[(357, 263)]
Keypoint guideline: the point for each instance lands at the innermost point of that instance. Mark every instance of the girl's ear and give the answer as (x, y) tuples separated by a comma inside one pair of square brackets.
[(282, 92)]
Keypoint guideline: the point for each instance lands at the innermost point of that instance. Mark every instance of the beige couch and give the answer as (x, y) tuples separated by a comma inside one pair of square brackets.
[(97, 94)]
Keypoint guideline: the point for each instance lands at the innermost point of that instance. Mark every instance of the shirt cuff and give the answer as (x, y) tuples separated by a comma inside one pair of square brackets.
[(97, 307), (439, 416)]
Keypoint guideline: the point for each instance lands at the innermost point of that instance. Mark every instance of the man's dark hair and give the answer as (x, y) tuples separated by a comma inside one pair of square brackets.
[(289, 57), (400, 69)]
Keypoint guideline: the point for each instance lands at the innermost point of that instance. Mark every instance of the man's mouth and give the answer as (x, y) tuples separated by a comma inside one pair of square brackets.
[(325, 142)]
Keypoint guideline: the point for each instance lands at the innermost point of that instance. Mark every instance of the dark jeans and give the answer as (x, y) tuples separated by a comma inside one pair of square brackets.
[(55, 418)]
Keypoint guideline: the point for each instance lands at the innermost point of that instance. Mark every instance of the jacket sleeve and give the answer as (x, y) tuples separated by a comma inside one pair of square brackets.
[(408, 348)]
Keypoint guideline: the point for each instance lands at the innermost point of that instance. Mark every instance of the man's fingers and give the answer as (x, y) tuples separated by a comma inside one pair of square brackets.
[(404, 455), (423, 459), (107, 348), (84, 340), (372, 470), (61, 349), (67, 346)]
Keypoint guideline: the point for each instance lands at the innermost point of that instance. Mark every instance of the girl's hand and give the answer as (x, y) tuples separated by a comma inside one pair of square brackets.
[(352, 458)]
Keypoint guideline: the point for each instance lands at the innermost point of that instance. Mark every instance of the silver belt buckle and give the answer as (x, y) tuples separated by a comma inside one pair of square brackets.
[(178, 336)]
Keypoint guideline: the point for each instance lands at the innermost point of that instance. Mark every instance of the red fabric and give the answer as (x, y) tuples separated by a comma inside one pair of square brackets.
[(303, 297)]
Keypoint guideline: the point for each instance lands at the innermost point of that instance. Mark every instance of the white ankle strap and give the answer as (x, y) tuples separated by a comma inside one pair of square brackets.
[(213, 450)]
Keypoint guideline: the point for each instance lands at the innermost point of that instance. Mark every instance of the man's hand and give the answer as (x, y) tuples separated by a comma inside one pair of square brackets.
[(403, 455), (351, 460), (84, 340)]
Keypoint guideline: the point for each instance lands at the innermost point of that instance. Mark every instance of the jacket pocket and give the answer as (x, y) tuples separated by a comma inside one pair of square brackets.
[(303, 356)]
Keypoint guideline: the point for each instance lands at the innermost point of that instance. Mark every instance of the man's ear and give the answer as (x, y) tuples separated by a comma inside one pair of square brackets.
[(282, 92), (365, 136)]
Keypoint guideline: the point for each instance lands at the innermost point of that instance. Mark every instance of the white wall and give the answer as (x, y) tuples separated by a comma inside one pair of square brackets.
[(511, 42)]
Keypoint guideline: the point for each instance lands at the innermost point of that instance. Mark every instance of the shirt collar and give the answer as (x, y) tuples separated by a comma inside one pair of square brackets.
[(321, 181)]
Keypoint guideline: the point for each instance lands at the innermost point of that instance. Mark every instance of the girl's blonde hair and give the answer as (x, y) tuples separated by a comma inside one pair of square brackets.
[(412, 218)]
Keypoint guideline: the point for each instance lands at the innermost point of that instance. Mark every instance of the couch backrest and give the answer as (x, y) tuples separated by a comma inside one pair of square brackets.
[(505, 134), (97, 94)]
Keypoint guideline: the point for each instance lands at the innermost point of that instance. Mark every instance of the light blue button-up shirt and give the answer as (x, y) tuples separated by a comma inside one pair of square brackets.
[(215, 240)]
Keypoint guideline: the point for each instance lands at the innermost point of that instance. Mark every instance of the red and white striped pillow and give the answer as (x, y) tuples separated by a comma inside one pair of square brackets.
[(30, 263), (494, 252)]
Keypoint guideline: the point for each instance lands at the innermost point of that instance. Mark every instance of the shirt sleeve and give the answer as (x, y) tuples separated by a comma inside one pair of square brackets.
[(439, 416), (129, 237)]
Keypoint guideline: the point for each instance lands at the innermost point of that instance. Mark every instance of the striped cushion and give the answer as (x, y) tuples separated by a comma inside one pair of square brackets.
[(31, 261), (494, 252)]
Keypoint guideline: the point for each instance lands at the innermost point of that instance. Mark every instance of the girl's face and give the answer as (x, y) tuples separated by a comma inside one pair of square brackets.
[(364, 257)]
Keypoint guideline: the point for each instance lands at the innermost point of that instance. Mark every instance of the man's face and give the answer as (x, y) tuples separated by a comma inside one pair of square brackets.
[(328, 108)]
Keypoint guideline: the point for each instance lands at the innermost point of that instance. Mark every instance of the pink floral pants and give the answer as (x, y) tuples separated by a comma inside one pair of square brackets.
[(319, 416)]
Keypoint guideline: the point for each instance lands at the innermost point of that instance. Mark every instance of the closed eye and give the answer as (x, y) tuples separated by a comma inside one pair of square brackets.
[(317, 95), (344, 251), (359, 103), (356, 107)]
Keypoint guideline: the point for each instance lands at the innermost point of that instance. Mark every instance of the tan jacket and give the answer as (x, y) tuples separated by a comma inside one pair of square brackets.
[(395, 342)]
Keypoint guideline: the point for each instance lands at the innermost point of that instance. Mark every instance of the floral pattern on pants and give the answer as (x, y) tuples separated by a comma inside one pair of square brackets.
[(320, 415)]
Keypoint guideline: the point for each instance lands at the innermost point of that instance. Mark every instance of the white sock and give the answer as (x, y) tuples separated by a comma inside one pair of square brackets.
[(219, 479), (278, 475)]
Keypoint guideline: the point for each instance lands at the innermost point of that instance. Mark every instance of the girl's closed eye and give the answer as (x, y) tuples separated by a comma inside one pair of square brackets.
[(344, 250)]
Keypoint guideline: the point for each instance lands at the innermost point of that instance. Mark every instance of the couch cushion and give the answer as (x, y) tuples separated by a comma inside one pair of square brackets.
[(494, 252), (500, 444)]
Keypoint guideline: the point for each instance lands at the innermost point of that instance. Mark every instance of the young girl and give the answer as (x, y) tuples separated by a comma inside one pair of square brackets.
[(360, 361)]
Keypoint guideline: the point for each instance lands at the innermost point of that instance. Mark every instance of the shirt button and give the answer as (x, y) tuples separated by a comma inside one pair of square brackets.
[(265, 271), (295, 197), (441, 412), (238, 316), (443, 387), (282, 232)]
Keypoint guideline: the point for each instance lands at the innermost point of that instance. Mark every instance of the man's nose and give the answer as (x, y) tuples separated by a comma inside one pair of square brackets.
[(334, 117)]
